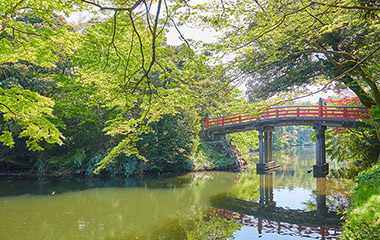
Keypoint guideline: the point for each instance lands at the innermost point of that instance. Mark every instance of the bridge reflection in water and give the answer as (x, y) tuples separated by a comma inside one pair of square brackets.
[(267, 218)]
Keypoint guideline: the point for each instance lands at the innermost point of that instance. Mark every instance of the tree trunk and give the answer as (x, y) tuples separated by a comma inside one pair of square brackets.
[(364, 97)]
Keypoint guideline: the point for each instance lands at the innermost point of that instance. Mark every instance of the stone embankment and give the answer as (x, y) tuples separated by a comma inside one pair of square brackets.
[(231, 152)]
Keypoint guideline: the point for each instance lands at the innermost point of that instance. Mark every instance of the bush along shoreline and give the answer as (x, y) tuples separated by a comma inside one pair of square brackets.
[(363, 217), (206, 156)]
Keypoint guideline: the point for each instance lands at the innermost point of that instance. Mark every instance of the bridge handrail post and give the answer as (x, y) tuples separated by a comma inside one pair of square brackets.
[(345, 113), (207, 120), (320, 108)]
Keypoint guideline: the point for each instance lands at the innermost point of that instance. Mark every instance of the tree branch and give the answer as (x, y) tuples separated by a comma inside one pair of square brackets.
[(357, 64), (342, 54), (327, 54), (347, 7), (154, 36), (16, 114), (277, 24), (307, 95), (129, 9)]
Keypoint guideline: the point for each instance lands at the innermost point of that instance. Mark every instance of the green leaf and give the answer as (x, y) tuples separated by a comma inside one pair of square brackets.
[(7, 139)]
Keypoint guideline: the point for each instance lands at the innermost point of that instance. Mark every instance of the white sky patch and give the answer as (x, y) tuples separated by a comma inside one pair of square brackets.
[(315, 97), (76, 17), (173, 37)]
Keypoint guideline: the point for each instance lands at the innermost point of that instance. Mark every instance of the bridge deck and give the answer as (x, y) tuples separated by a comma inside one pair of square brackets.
[(333, 116), (288, 121)]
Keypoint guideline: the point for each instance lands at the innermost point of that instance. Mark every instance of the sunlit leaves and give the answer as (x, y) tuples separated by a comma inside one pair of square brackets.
[(31, 111), (363, 217), (166, 102), (7, 139), (116, 58), (38, 39), (31, 31)]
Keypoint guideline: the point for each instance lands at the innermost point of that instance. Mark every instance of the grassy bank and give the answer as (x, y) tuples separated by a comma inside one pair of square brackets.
[(363, 218)]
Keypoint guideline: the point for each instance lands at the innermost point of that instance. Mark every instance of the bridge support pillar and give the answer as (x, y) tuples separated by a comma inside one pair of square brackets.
[(261, 147), (268, 131), (265, 150), (321, 169)]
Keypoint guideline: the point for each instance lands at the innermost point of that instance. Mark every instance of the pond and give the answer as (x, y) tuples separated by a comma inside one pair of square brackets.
[(287, 204)]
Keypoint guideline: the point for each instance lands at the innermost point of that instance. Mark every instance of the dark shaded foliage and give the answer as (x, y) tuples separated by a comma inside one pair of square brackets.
[(302, 66), (171, 144)]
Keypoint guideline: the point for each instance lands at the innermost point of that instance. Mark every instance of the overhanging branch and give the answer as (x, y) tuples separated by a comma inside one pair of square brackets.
[(347, 7), (129, 9), (10, 110)]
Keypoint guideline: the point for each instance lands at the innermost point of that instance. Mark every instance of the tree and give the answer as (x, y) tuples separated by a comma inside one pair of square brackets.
[(129, 48), (284, 47), (30, 36)]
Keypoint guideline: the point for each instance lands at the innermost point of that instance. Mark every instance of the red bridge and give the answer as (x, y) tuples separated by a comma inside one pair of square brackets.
[(320, 117), (291, 112)]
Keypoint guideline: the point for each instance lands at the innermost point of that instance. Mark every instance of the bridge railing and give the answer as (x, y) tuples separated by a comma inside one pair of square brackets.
[(319, 110)]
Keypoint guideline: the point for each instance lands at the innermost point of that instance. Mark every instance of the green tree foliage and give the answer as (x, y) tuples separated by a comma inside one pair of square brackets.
[(29, 40), (141, 84), (369, 9), (286, 46), (283, 137), (245, 141), (30, 31), (168, 147), (118, 76), (171, 144), (31, 111), (28, 92), (363, 217), (360, 147)]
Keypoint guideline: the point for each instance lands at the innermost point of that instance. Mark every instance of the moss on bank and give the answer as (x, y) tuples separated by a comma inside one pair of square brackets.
[(363, 218)]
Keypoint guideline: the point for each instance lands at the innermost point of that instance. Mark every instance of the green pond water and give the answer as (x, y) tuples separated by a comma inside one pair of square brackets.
[(287, 204)]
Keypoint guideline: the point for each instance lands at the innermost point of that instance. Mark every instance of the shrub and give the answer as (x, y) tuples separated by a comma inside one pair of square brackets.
[(363, 218)]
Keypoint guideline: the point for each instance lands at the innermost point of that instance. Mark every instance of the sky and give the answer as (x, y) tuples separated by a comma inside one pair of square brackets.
[(192, 33)]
